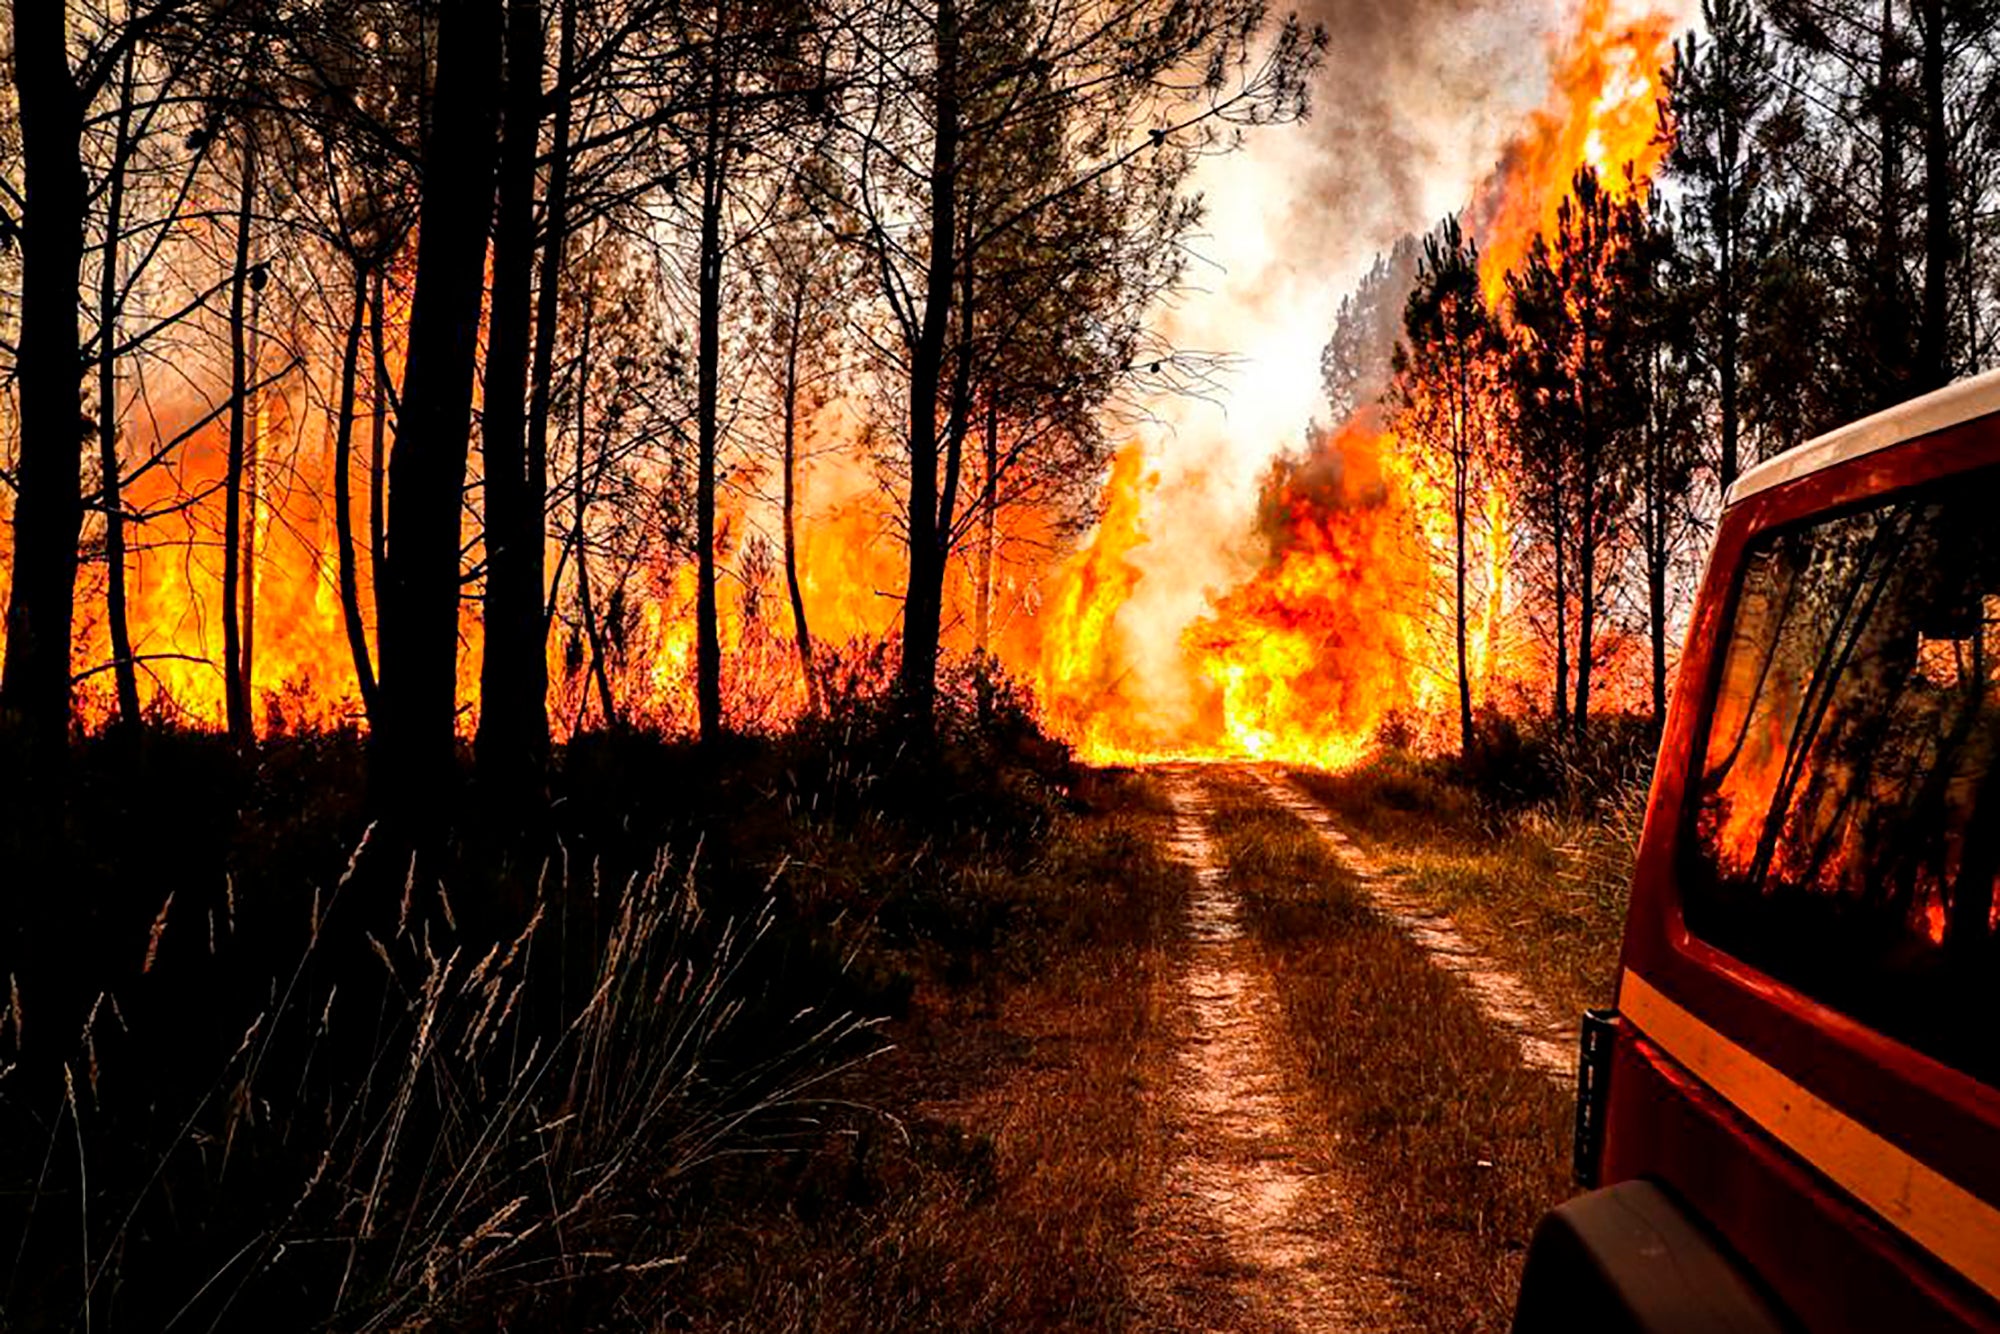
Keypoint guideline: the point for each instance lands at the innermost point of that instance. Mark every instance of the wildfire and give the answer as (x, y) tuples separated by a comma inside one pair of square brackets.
[(1603, 114), (1329, 637), (1326, 631), (1080, 674), (1336, 632)]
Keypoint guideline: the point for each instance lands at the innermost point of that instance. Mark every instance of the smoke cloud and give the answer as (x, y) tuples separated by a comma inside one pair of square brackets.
[(1414, 103)]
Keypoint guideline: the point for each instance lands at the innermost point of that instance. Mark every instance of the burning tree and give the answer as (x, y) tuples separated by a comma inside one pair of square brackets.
[(1447, 413), (985, 120), (1575, 347)]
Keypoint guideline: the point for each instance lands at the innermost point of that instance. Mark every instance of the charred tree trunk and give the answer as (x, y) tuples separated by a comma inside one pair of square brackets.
[(1888, 319), (1460, 486), (1656, 608), (541, 378), (343, 497), (253, 496), (708, 355), (1589, 488), (592, 631), (512, 745), (1728, 334), (1558, 550), (1461, 499), (989, 542), (989, 528), (1657, 539), (1934, 331), (923, 599), (378, 445), (125, 671), (958, 421), (1586, 577), (412, 762), (48, 502), (235, 686), (801, 632)]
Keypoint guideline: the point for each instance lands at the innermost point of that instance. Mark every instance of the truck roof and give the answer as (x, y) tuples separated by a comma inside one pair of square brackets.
[(1955, 403)]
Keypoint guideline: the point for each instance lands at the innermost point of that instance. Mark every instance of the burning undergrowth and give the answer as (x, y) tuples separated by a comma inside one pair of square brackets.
[(1303, 660), (1324, 631), (1337, 617)]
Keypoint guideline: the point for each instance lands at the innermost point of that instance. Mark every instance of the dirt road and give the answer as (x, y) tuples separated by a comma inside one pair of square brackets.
[(1244, 1180), (1261, 1219)]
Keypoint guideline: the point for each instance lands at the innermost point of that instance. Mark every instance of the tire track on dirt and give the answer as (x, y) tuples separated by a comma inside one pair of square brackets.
[(1546, 1041), (1254, 1227)]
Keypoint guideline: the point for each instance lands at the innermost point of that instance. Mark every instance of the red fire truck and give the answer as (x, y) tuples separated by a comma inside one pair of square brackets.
[(1792, 1118)]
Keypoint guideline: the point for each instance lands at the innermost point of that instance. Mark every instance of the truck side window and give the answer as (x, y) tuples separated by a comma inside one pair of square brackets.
[(1846, 820)]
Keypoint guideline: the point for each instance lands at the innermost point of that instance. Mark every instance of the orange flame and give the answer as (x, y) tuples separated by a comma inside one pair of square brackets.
[(1307, 660), (1603, 114), (1339, 631)]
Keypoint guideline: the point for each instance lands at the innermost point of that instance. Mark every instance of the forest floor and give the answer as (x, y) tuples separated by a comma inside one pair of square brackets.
[(1013, 1045), (1300, 1088)]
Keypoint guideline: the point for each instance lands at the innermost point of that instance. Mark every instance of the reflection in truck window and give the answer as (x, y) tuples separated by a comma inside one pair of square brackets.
[(1846, 822)]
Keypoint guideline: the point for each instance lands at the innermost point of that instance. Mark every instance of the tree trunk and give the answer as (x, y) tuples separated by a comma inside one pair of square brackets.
[(1589, 483), (235, 686), (1657, 540), (1656, 598), (48, 502), (1461, 499), (378, 447), (1586, 580), (989, 528), (1890, 331), (708, 356), (923, 599), (1558, 545), (1726, 299), (958, 421), (412, 756), (593, 634), (253, 503), (125, 671), (512, 745), (1458, 507), (343, 498), (801, 632), (1934, 333), (548, 291)]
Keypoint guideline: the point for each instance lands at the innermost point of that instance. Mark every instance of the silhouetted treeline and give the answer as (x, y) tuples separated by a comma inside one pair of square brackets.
[(561, 276)]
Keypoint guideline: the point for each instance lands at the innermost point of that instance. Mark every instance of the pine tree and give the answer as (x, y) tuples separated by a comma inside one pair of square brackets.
[(1572, 365), (1719, 93), (1444, 398)]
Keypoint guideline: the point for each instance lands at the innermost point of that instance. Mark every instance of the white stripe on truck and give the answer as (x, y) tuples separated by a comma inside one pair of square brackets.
[(1935, 1212)]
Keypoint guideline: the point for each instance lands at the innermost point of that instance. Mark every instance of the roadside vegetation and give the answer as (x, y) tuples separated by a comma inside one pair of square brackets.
[(1462, 1147), (827, 1030), (1528, 844)]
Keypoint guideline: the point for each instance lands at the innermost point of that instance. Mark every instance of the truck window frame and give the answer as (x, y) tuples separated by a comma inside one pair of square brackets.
[(1692, 872)]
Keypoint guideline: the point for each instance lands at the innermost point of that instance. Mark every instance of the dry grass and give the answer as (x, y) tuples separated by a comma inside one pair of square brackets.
[(999, 1191), (491, 1155), (1542, 890), (650, 1110), (1464, 1148)]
